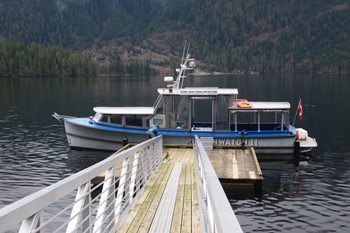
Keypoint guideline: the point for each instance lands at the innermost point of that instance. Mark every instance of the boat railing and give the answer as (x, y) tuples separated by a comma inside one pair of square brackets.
[(216, 212), (157, 102), (74, 204)]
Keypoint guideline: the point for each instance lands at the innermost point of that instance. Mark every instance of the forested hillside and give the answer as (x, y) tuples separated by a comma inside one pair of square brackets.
[(227, 35), (17, 59)]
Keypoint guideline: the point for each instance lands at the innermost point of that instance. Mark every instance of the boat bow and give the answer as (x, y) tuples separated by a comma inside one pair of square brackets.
[(60, 118)]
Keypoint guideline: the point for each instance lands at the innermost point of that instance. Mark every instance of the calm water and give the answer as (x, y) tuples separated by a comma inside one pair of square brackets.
[(313, 196)]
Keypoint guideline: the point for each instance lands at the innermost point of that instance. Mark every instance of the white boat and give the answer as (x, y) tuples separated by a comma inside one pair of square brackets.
[(178, 115)]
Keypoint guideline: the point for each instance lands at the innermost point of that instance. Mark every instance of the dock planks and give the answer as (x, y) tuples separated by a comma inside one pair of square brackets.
[(231, 165), (185, 215), (236, 166)]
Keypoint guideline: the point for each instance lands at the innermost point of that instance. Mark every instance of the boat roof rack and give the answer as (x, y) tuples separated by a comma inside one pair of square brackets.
[(263, 106), (198, 91)]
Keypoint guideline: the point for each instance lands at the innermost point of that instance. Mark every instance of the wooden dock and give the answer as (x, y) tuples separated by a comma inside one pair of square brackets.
[(170, 200), (236, 167)]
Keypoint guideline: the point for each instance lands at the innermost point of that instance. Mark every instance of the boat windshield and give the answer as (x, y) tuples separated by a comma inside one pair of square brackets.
[(97, 117)]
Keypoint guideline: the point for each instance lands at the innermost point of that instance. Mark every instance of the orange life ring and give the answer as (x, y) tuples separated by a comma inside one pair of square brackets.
[(244, 104)]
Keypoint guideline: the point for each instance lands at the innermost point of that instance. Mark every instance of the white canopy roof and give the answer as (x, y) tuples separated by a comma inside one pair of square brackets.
[(125, 110), (265, 106), (199, 91)]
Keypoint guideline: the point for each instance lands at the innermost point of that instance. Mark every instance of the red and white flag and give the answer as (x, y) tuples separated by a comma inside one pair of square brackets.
[(300, 110)]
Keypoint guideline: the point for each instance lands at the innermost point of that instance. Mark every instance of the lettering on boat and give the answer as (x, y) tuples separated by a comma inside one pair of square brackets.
[(235, 141)]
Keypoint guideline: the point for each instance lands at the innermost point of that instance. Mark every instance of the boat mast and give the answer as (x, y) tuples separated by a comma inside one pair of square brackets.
[(187, 63)]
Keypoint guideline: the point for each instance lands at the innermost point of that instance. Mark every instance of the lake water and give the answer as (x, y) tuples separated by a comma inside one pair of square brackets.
[(312, 196)]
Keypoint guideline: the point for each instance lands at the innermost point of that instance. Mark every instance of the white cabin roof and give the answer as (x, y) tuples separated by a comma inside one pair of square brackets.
[(125, 110), (199, 91), (265, 106)]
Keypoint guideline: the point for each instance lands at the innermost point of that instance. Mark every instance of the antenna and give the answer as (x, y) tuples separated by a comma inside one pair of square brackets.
[(183, 52), (187, 63)]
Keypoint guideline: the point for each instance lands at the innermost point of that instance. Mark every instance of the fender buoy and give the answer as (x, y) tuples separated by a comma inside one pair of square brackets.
[(244, 104), (152, 132), (297, 136)]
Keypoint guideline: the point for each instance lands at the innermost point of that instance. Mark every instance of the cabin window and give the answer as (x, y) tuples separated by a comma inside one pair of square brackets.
[(269, 117), (104, 118), (259, 120), (133, 120), (97, 116), (246, 121), (157, 122), (116, 119), (270, 120)]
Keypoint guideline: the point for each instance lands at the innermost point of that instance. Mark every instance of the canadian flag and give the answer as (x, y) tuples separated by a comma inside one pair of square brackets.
[(300, 110)]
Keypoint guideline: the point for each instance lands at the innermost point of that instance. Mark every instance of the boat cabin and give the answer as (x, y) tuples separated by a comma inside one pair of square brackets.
[(195, 108), (260, 116), (199, 109), (134, 117)]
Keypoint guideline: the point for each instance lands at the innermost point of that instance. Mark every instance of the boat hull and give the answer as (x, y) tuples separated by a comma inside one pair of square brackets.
[(86, 137), (88, 134)]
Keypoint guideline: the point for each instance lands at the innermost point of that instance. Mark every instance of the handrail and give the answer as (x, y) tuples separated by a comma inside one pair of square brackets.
[(137, 164), (216, 212), (126, 174), (157, 102)]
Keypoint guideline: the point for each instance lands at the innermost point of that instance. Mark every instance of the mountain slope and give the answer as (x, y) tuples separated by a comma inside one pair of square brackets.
[(265, 36)]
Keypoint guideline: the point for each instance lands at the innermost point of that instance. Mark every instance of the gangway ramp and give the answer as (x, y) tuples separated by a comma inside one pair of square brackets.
[(157, 210), (145, 189)]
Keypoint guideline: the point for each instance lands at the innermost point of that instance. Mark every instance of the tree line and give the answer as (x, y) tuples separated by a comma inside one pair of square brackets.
[(19, 59), (264, 36)]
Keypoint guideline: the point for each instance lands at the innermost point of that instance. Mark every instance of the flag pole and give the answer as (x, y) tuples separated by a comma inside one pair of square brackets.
[(296, 111)]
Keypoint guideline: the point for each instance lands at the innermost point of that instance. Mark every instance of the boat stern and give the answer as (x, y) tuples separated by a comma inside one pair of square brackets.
[(306, 143)]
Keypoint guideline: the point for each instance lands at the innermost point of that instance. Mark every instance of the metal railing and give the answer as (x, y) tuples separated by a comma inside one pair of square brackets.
[(157, 102), (96, 208), (216, 214)]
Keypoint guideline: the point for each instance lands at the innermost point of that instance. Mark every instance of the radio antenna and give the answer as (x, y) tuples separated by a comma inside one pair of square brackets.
[(183, 52)]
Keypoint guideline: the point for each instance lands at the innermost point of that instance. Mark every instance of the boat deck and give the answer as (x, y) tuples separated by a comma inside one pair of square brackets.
[(169, 202)]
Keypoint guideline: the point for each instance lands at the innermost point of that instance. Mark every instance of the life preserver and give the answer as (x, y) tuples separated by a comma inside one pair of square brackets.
[(244, 105)]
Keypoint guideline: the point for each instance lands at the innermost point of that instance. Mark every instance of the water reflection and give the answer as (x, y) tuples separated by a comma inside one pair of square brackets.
[(307, 196), (81, 159)]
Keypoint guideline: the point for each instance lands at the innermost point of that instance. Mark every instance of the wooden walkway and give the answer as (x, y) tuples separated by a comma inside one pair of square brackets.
[(169, 197)]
